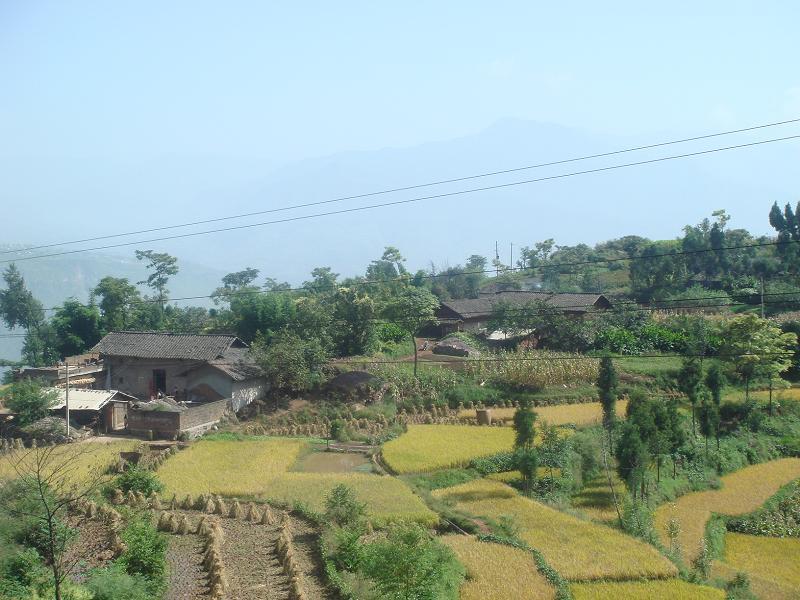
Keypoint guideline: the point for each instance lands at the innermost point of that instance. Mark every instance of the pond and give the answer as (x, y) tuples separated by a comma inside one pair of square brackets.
[(334, 462)]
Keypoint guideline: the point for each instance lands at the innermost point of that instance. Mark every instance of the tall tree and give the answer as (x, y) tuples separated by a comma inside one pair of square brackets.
[(117, 299), (18, 308), (77, 327), (715, 382), (632, 457), (162, 267), (689, 381), (411, 310), (524, 449), (607, 390)]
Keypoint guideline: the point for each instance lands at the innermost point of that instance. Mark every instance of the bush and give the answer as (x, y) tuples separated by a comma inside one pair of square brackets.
[(342, 508), (138, 480), (146, 552), (496, 463), (114, 583)]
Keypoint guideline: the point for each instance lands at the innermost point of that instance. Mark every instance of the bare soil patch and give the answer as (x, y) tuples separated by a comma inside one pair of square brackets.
[(188, 579)]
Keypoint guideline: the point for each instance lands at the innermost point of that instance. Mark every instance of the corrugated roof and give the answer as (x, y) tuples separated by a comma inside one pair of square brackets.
[(177, 346), (472, 308), (80, 399)]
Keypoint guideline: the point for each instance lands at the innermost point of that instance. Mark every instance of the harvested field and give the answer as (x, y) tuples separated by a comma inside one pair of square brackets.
[(577, 549), (588, 413), (497, 572), (90, 460), (92, 546), (742, 492), (773, 559), (426, 448), (188, 579), (667, 589), (334, 462), (231, 468)]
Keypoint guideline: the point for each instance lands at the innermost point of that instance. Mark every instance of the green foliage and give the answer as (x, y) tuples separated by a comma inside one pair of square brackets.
[(137, 480), (637, 520), (443, 479), (607, 389), (29, 400), (290, 363), (146, 551), (495, 463), (77, 327), (738, 588), (408, 564), (342, 508), (113, 583), (779, 517)]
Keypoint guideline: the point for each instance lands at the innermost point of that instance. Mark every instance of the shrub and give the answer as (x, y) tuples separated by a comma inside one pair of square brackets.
[(146, 551), (342, 508), (138, 480), (114, 583)]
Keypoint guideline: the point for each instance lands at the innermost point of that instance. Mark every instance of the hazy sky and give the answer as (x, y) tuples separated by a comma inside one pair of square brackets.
[(90, 87)]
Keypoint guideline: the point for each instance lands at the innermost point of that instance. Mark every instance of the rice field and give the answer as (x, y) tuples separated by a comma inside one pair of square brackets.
[(88, 462), (787, 395), (498, 572), (763, 588), (742, 492), (667, 589), (596, 501), (773, 559), (426, 448), (259, 468), (579, 550), (587, 413), (512, 476)]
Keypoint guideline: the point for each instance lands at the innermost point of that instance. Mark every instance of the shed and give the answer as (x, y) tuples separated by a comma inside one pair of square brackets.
[(107, 410)]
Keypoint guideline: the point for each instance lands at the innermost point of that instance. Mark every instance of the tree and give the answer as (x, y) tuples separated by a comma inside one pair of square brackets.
[(323, 281), (236, 283), (632, 457), (524, 450), (18, 308), (163, 266), (709, 418), (290, 363), (607, 389), (412, 309), (342, 508), (352, 322), (45, 489), (117, 297), (715, 382), (756, 347), (77, 327), (689, 381), (29, 400)]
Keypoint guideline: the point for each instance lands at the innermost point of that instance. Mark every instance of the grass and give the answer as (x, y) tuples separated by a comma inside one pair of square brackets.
[(497, 571), (258, 468), (674, 589), (426, 448), (778, 395), (643, 365), (774, 559), (578, 550), (587, 413), (89, 460), (742, 492), (514, 476)]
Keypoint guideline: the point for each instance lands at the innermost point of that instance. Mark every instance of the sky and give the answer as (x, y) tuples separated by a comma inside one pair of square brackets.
[(148, 113)]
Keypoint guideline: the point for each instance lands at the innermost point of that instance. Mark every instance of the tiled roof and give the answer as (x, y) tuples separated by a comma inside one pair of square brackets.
[(237, 364), (147, 344), (482, 306)]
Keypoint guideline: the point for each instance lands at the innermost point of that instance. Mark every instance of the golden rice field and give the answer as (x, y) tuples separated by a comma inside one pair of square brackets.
[(498, 572), (774, 559), (587, 413), (511, 476), (790, 394), (763, 588), (425, 448), (596, 501), (89, 459), (259, 468), (665, 589), (742, 492), (577, 549)]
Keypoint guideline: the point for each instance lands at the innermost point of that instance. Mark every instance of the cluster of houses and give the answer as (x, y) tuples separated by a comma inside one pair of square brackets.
[(155, 384)]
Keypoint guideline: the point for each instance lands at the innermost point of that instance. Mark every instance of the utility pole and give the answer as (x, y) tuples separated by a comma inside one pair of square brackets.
[(66, 395), (762, 296), (511, 264), (496, 260)]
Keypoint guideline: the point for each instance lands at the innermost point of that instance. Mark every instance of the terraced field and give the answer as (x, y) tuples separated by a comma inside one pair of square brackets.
[(426, 448), (668, 589), (774, 561), (498, 572), (259, 468), (742, 492), (577, 549), (587, 413)]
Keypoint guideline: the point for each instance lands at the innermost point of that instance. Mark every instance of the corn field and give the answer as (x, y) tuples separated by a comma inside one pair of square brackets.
[(535, 369)]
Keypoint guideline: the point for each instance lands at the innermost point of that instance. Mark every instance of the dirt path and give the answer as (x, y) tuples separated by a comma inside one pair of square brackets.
[(187, 578)]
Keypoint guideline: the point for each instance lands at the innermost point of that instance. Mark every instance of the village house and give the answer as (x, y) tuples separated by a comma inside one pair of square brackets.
[(473, 314), (85, 371), (191, 368)]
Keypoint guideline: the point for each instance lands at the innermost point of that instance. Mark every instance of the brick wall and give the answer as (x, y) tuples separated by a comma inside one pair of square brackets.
[(204, 414), (163, 424)]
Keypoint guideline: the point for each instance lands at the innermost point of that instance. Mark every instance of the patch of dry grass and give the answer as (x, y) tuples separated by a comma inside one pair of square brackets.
[(498, 572), (672, 589), (742, 492), (596, 500), (579, 550)]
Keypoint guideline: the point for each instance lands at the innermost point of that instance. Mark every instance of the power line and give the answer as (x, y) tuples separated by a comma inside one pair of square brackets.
[(408, 200), (409, 187)]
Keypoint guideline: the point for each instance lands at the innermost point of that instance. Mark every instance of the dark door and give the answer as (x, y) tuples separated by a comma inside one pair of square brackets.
[(159, 381)]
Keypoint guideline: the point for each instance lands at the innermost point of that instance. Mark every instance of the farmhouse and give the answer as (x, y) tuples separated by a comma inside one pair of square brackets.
[(189, 367), (473, 314)]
